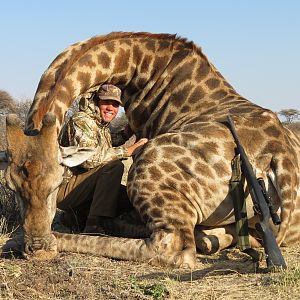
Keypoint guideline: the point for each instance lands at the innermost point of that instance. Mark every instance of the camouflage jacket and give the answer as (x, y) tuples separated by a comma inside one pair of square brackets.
[(85, 129)]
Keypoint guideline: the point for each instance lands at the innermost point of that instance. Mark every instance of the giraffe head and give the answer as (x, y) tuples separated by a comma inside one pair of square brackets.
[(34, 173), (34, 169)]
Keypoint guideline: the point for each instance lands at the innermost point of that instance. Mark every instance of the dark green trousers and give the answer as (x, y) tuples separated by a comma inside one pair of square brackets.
[(95, 193)]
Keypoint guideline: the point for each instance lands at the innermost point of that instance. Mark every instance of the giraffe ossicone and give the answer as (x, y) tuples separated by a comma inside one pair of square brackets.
[(179, 183)]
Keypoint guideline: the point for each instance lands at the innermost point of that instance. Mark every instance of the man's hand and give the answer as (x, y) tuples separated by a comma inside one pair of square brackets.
[(136, 146)]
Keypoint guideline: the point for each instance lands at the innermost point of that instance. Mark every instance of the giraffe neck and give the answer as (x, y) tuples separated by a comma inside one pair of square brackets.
[(161, 77)]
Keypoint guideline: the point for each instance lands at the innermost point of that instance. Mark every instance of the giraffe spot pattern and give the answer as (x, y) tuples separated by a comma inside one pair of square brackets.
[(104, 60), (121, 62), (87, 60), (218, 95), (212, 83), (110, 46), (272, 131), (84, 78), (145, 65), (197, 94)]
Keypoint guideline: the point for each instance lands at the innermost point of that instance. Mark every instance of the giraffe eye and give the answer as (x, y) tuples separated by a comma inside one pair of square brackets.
[(24, 171)]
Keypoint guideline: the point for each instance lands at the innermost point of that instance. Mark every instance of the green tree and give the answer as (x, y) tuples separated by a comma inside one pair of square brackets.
[(289, 114)]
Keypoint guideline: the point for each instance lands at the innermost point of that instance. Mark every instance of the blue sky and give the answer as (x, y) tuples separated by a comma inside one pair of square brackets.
[(255, 44)]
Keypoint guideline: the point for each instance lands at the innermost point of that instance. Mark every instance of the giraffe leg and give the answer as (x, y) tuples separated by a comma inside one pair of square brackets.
[(212, 240), (174, 248)]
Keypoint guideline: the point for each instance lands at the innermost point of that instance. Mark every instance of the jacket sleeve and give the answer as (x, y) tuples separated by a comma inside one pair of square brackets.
[(83, 133)]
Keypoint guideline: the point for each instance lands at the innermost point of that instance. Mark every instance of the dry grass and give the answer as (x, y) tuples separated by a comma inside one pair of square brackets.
[(227, 275)]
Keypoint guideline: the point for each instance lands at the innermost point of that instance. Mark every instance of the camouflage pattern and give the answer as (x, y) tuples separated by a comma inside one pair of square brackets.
[(85, 129), (109, 92)]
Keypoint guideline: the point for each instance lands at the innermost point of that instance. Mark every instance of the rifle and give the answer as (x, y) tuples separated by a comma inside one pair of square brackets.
[(262, 207)]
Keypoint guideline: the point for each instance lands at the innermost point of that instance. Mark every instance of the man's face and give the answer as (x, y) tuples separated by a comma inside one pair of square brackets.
[(108, 109)]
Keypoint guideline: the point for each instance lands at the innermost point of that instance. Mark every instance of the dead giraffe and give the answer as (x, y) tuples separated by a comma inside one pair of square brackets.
[(176, 98)]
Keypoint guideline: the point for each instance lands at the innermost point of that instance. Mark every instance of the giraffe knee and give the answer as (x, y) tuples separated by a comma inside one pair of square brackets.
[(173, 249)]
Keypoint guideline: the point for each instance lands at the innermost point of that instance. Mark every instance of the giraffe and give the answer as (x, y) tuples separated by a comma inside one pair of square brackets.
[(179, 182)]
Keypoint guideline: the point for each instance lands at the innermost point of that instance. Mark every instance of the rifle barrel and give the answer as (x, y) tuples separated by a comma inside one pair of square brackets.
[(273, 253)]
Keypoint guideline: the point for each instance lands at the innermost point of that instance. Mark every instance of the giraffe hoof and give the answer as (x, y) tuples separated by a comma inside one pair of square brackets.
[(186, 259), (207, 245)]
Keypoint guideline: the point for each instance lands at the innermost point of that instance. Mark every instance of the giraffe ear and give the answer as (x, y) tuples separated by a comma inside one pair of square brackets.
[(73, 156), (14, 132)]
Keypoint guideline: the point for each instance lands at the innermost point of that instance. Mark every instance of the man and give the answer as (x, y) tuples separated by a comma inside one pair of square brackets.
[(91, 191)]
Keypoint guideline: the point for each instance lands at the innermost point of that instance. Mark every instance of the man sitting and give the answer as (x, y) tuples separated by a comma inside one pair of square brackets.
[(91, 192)]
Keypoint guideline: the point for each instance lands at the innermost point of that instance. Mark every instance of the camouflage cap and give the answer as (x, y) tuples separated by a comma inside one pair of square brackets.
[(109, 92)]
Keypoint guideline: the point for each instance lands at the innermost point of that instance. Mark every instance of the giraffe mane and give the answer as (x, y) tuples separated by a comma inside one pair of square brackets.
[(48, 83)]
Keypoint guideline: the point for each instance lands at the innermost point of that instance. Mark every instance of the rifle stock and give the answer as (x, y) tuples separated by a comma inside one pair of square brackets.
[(274, 257)]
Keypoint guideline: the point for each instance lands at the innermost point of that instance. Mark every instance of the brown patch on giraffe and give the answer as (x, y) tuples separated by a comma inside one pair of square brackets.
[(100, 76), (218, 95), (87, 60), (168, 167), (150, 45), (163, 45), (155, 173), (251, 136), (203, 153), (63, 96), (170, 118), (142, 82), (184, 188), (104, 60), (287, 164), (68, 84), (286, 193), (180, 96), (126, 42), (158, 201), (140, 114), (183, 73), (203, 70), (122, 80), (272, 131), (45, 83), (221, 168), (201, 169), (110, 46), (212, 83), (84, 78), (186, 171), (177, 176), (185, 109), (151, 154), (148, 186), (197, 94), (121, 61), (227, 84), (137, 54), (145, 206), (160, 63), (156, 212), (171, 183), (171, 152), (145, 64), (274, 147)]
